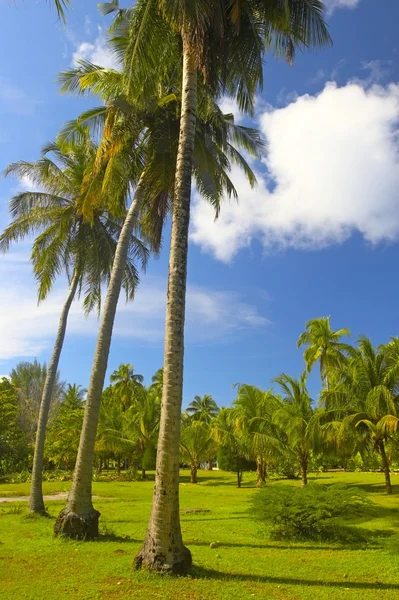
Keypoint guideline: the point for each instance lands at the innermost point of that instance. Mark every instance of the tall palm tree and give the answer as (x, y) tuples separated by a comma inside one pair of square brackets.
[(67, 243), (323, 345), (294, 417), (222, 41), (203, 408), (149, 137), (366, 398)]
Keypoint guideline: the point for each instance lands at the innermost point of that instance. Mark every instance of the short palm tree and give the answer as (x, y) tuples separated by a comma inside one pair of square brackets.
[(66, 244), (227, 431), (365, 398), (294, 417), (203, 408), (222, 44), (255, 408), (125, 383), (195, 443), (323, 345)]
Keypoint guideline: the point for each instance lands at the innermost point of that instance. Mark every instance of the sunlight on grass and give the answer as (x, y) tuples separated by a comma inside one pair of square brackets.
[(233, 557)]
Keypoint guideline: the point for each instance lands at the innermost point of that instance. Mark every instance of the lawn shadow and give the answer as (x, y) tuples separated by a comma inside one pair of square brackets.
[(369, 488), (113, 537), (334, 547), (203, 573)]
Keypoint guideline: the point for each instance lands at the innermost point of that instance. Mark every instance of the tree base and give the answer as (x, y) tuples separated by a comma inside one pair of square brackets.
[(77, 527), (179, 564)]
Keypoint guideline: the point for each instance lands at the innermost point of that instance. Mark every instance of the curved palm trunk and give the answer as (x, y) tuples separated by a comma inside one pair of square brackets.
[(36, 503), (79, 519), (163, 548), (385, 466)]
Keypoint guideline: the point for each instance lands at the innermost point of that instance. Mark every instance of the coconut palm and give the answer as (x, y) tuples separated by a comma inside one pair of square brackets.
[(203, 408), (365, 398), (68, 244), (255, 408), (195, 443), (294, 417), (125, 383), (63, 434), (148, 138), (222, 41), (227, 431), (323, 345)]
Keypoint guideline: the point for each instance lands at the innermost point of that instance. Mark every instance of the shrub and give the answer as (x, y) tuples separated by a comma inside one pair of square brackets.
[(312, 512)]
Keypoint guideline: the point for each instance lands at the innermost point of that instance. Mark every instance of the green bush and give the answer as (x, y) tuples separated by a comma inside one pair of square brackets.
[(317, 512)]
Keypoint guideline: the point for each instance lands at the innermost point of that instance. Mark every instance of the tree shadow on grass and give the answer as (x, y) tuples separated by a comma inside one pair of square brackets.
[(203, 573), (369, 488), (337, 547)]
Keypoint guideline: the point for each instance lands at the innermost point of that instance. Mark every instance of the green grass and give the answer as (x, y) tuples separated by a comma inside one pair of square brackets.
[(245, 564)]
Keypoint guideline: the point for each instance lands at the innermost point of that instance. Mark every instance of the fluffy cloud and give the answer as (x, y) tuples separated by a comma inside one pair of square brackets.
[(97, 52), (26, 330), (332, 169), (332, 5)]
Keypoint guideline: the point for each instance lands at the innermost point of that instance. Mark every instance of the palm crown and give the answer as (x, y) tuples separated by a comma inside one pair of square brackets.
[(66, 241), (323, 345)]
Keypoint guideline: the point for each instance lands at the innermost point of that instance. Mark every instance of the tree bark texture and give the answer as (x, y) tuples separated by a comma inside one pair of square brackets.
[(163, 548), (193, 473), (79, 519), (36, 502), (304, 471)]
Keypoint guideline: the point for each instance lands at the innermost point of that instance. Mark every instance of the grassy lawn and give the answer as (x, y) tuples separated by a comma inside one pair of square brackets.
[(245, 564)]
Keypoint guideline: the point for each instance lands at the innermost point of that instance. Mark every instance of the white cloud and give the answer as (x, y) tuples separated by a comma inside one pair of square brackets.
[(332, 169), (97, 52), (332, 5), (26, 330)]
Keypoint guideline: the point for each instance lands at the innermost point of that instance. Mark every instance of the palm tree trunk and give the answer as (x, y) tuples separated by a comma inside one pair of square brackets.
[(304, 471), (79, 519), (210, 464), (260, 471), (163, 547), (193, 473), (36, 503), (385, 466)]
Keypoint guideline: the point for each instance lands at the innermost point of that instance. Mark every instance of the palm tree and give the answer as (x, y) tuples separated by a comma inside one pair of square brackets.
[(194, 444), (255, 408), (223, 43), (125, 383), (63, 433), (227, 431), (67, 243), (149, 137), (294, 417), (365, 398), (203, 408), (323, 345)]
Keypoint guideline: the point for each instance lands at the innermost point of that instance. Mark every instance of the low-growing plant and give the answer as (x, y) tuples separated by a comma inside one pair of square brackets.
[(315, 512)]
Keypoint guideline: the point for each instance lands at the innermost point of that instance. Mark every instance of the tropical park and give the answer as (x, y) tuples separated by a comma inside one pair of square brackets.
[(199, 395)]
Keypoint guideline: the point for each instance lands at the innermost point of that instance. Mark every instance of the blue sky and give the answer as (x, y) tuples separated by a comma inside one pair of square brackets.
[(318, 236)]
